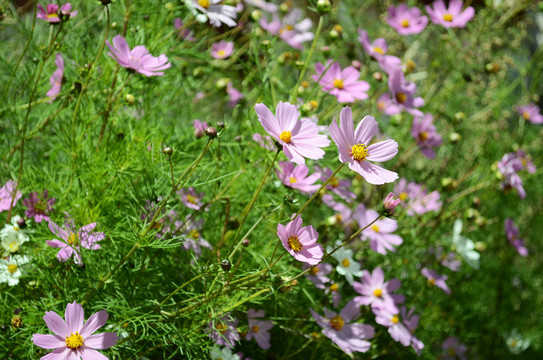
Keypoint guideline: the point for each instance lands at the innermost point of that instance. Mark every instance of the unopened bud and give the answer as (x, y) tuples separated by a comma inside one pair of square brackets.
[(324, 6), (356, 64), (459, 116), (220, 125), (284, 7), (390, 204), (226, 265), (455, 137), (130, 99), (256, 15), (211, 132), (222, 83), (167, 150), (245, 242), (378, 76)]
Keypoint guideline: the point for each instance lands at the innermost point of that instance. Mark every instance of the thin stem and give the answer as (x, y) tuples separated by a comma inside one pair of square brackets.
[(180, 288)]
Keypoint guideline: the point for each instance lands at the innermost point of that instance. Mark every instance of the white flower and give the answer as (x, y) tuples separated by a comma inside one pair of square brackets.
[(12, 237), (347, 266), (216, 12), (516, 343), (10, 271), (464, 246), (224, 354)]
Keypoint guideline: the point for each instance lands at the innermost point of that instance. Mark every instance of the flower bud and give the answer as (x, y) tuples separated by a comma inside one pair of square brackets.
[(222, 83), (130, 99), (459, 116), (324, 6), (256, 15), (220, 125), (390, 204), (169, 6), (211, 132), (455, 137), (167, 150), (356, 64), (245, 242), (226, 265), (21, 223), (16, 321)]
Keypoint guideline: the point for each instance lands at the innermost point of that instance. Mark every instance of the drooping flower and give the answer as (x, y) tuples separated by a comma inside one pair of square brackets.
[(416, 199), (234, 95), (56, 78), (411, 321), (318, 274), (347, 266), (300, 242), (52, 14), (258, 329), (216, 12), (343, 84), (13, 236), (448, 260), (406, 20), (340, 187), (73, 240), (380, 232), (292, 28), (349, 337), (10, 269), (453, 349), (392, 320), (434, 279), (530, 113), (223, 331), (39, 207), (222, 49), (426, 135), (464, 246), (354, 147), (74, 337), (375, 291), (295, 177), (137, 59), (300, 137), (451, 16), (403, 95), (6, 195), (512, 234), (190, 198)]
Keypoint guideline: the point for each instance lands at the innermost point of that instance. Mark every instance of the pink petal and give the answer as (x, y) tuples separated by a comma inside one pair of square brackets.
[(101, 341), (382, 151), (268, 121), (365, 130), (62, 353), (56, 324), (74, 316), (48, 341), (90, 354), (347, 126), (93, 323)]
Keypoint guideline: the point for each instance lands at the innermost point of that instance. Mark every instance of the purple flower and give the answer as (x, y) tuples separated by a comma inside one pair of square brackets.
[(216, 13), (377, 49), (397, 330), (349, 337), (300, 137), (56, 78), (353, 146), (74, 337), (380, 233), (340, 187), (343, 84), (406, 20), (411, 321), (300, 242), (509, 165), (530, 113), (52, 15), (223, 331), (389, 203), (222, 49), (317, 274), (416, 199), (426, 135), (234, 95), (182, 31), (512, 235), (137, 59), (39, 207), (344, 214), (376, 292), (73, 240), (453, 349), (403, 95), (258, 329), (291, 29), (448, 260), (436, 279), (199, 128), (265, 141), (295, 177), (453, 16), (192, 238), (191, 199), (6, 195)]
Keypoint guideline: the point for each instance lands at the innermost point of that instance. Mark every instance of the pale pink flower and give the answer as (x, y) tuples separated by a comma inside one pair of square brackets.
[(137, 59), (263, 5), (300, 137), (296, 177), (450, 17), (354, 147), (265, 141), (300, 242), (406, 20), (192, 235), (340, 187), (318, 274), (6, 195), (396, 328), (343, 84), (182, 32), (403, 95), (190, 198), (199, 128), (512, 234), (292, 29), (344, 214), (222, 49), (74, 337), (223, 331), (509, 166), (234, 95), (52, 14), (389, 203), (435, 279), (453, 349), (380, 233), (416, 199), (375, 291), (425, 133), (39, 207), (56, 78), (530, 113), (258, 329), (217, 13), (377, 49), (411, 321)]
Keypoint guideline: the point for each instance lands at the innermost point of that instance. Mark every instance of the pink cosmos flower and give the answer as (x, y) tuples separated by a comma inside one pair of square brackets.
[(137, 59), (344, 214), (406, 20), (389, 203), (411, 321), (199, 128), (403, 95), (354, 147), (435, 279), (453, 16), (258, 329), (74, 337), (6, 195), (453, 349), (56, 78), (190, 198), (222, 49), (377, 49), (192, 237), (52, 14), (530, 113), (448, 260), (223, 331), (343, 84), (334, 290), (216, 12), (508, 166), (183, 33), (349, 337), (234, 95), (340, 187), (73, 239), (397, 329), (426, 135), (300, 242), (376, 292), (295, 177), (291, 29), (380, 233), (39, 207), (415, 198), (265, 141), (300, 137), (317, 274), (512, 235)]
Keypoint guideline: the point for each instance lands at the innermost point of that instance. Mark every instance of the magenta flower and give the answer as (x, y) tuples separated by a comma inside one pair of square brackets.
[(380, 233), (377, 49), (258, 329), (234, 95), (508, 166), (426, 135), (530, 113), (512, 235), (343, 84), (389, 203), (291, 29), (453, 16), (353, 146), (295, 177), (6, 195), (375, 291), (223, 331), (300, 137), (406, 20), (73, 240), (453, 349), (183, 33), (56, 78), (397, 329), (317, 274), (435, 279), (191, 199), (300, 242), (340, 187), (217, 13), (416, 199), (138, 59), (39, 207), (349, 337), (222, 49), (403, 95), (74, 337), (199, 128), (52, 15)]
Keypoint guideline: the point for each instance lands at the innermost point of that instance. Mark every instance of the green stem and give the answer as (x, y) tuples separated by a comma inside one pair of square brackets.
[(180, 288)]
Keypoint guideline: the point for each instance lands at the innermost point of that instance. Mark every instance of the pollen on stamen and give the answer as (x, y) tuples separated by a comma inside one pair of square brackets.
[(74, 341), (294, 243), (431, 282), (12, 268), (448, 17), (423, 136), (334, 287), (375, 228), (191, 199), (401, 97), (286, 136), (314, 270), (293, 180), (345, 262), (395, 319), (337, 322), (526, 115), (255, 329), (359, 152), (377, 49), (405, 23), (338, 83), (378, 292), (204, 3)]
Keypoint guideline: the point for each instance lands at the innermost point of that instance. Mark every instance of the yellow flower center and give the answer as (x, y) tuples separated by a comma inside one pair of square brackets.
[(337, 322), (526, 115), (401, 97), (513, 343), (448, 17), (334, 287), (294, 243), (40, 207), (194, 234), (314, 104), (405, 23), (289, 27), (452, 352), (74, 341), (395, 319), (255, 329), (314, 270), (191, 199), (403, 196), (381, 105), (378, 292), (52, 15), (72, 239), (375, 228), (423, 136), (12, 268), (221, 328), (286, 136), (221, 53), (377, 49), (359, 152), (334, 182), (305, 84), (204, 3), (431, 282), (345, 262), (338, 83), (338, 28), (13, 246), (293, 180)]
